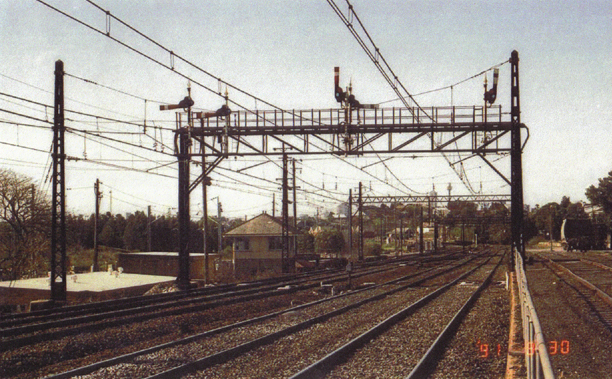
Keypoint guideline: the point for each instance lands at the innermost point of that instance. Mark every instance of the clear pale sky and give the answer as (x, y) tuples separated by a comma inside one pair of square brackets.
[(284, 52)]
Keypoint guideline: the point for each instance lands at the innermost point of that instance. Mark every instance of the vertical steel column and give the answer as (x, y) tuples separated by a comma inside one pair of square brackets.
[(219, 226), (360, 222), (205, 181), (285, 223), (58, 213), (401, 235), (184, 141), (516, 160), (294, 211), (421, 241), (350, 223), (149, 228), (96, 249), (463, 235), (435, 243)]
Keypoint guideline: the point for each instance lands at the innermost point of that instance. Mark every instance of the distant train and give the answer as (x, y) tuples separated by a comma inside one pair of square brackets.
[(582, 235)]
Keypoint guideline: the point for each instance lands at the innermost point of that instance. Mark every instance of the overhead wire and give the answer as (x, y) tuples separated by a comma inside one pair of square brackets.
[(374, 57), (451, 86), (174, 55), (97, 117)]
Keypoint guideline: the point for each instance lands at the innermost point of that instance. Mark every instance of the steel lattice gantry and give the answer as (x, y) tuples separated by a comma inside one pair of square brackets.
[(424, 199), (473, 131), (430, 200)]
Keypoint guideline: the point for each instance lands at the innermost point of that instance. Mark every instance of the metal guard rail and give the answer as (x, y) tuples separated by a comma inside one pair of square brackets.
[(537, 360)]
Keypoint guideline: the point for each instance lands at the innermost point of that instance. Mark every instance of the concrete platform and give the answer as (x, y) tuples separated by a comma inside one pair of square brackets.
[(94, 286)]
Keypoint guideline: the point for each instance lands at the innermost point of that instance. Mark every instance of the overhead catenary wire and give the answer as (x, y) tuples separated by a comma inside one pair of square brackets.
[(171, 68), (451, 86), (279, 108), (113, 89), (97, 117), (386, 71)]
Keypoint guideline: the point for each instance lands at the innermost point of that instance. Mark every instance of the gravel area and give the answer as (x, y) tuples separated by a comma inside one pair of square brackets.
[(604, 257), (288, 355), (86, 348), (566, 314), (480, 347), (394, 353), (61, 355), (166, 359)]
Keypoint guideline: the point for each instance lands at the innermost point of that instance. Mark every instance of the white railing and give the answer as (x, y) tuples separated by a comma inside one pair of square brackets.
[(537, 360)]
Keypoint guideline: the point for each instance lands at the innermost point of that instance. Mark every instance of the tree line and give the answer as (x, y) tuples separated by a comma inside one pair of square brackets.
[(25, 228)]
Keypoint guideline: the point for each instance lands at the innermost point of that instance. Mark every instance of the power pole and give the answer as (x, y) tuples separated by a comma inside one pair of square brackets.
[(184, 145), (285, 210), (206, 182), (349, 223), (360, 205), (98, 195), (516, 165), (401, 235), (149, 228), (421, 241), (58, 200), (273, 205), (294, 211), (219, 227)]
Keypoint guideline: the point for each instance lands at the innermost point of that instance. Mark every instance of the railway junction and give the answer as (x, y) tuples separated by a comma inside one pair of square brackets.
[(441, 315), (470, 311)]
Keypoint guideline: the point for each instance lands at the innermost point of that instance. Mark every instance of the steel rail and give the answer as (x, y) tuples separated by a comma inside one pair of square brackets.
[(326, 364), (138, 314), (231, 353), (130, 300), (596, 264), (434, 354), (126, 357), (134, 301), (601, 294)]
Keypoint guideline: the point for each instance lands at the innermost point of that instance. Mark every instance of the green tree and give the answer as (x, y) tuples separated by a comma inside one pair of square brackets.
[(329, 240), (112, 231), (601, 195), (24, 227), (135, 232)]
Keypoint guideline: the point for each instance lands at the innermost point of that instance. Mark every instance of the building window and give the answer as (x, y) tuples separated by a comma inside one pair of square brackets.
[(275, 243), (241, 244)]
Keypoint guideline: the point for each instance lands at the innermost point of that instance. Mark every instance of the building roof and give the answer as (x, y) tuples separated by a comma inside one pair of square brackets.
[(262, 225)]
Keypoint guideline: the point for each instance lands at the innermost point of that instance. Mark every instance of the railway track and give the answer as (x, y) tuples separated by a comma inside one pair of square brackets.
[(11, 320), (393, 346), (33, 329), (240, 342), (248, 334), (594, 282), (571, 295), (37, 349)]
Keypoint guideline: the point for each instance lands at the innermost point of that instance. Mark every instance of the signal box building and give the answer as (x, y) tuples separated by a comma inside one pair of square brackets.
[(258, 245)]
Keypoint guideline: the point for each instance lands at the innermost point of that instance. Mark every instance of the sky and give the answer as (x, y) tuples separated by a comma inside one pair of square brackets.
[(284, 52)]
